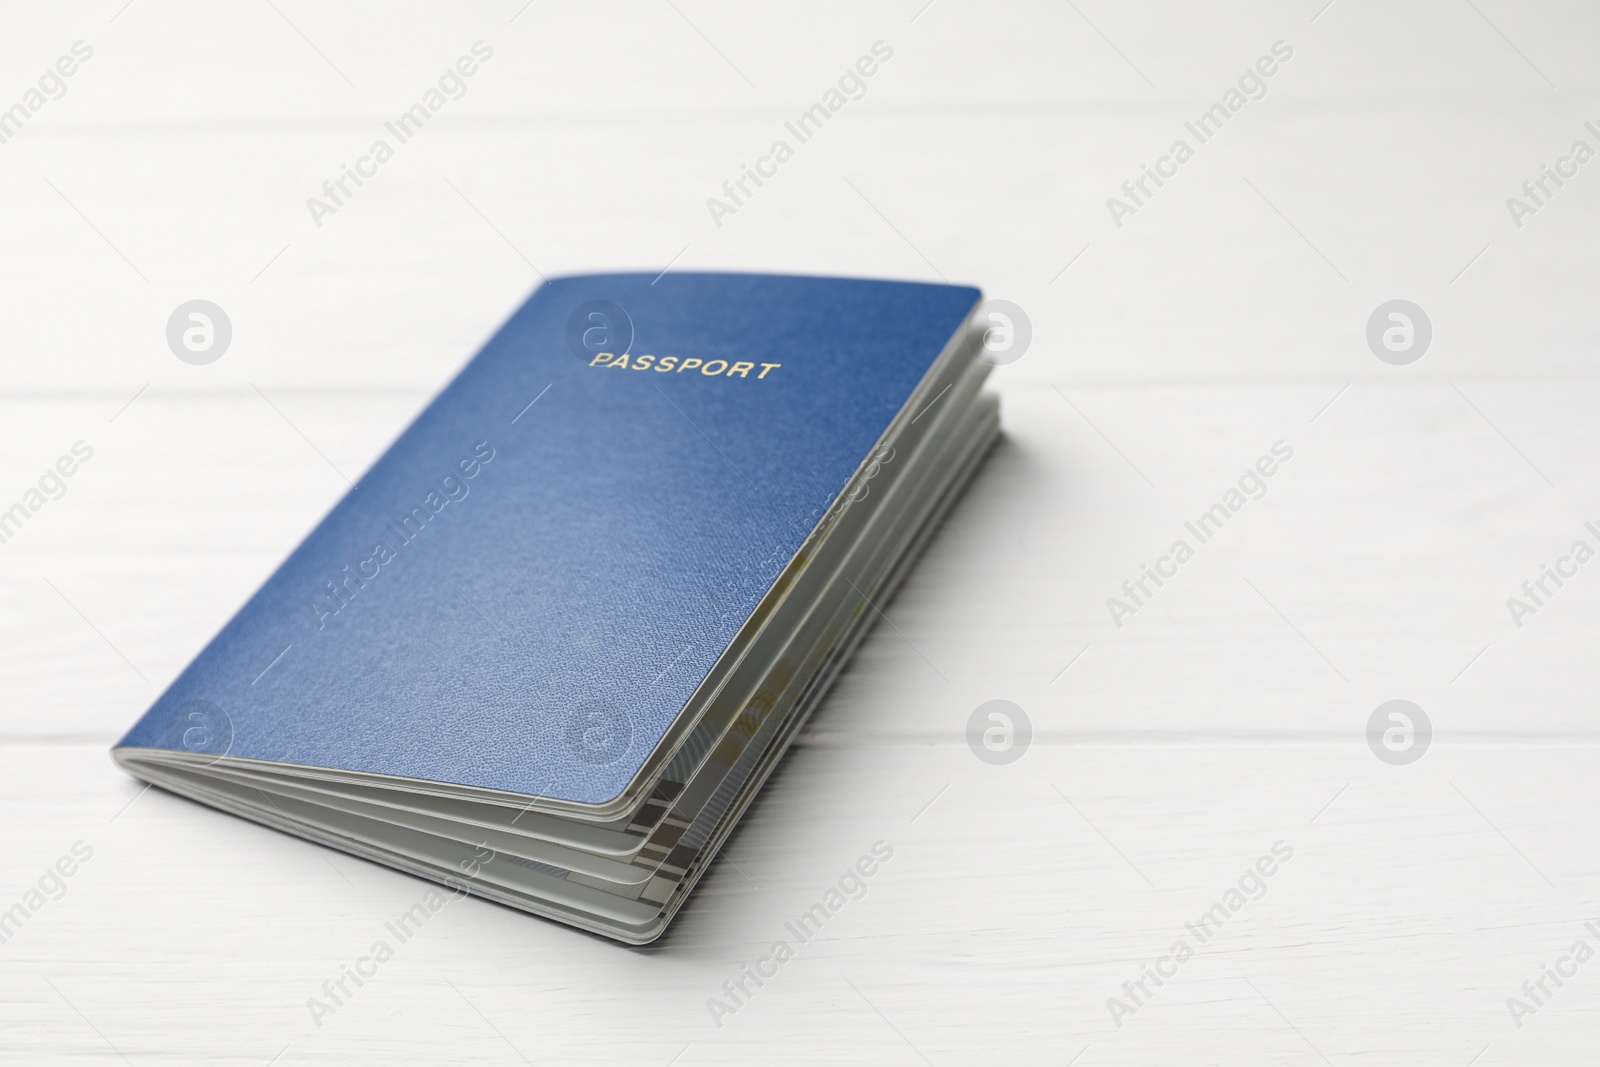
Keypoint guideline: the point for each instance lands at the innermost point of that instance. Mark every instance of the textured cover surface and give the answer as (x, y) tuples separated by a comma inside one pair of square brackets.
[(524, 597)]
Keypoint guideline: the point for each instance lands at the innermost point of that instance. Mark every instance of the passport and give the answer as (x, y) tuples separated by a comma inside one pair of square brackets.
[(549, 646)]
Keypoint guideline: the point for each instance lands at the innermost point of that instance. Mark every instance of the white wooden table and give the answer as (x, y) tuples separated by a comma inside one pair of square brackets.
[(1170, 753)]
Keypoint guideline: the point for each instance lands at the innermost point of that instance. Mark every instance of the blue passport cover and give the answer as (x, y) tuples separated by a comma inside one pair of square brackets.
[(564, 543)]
